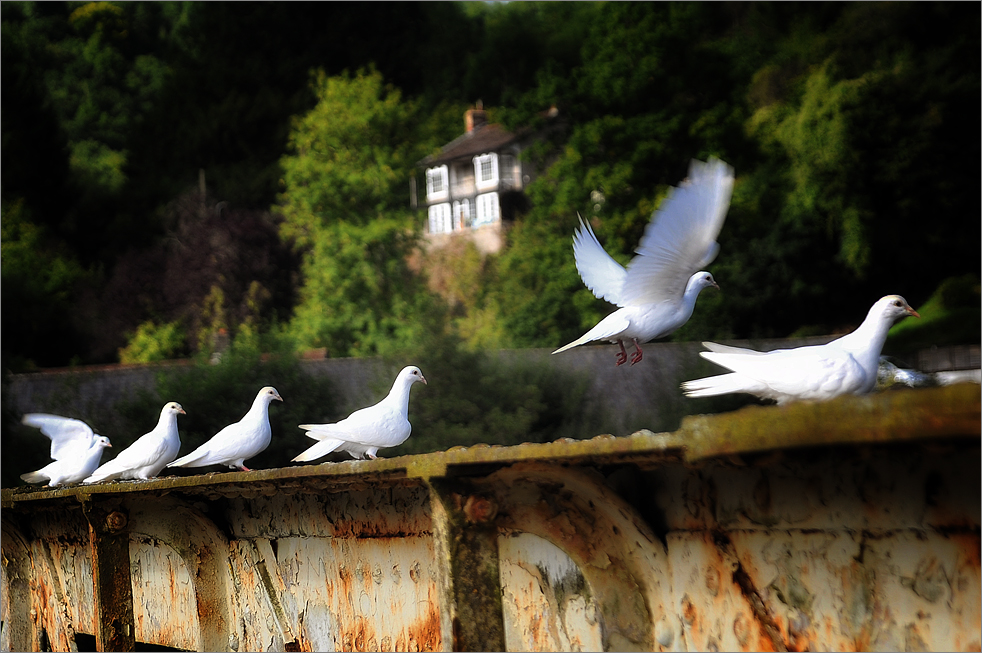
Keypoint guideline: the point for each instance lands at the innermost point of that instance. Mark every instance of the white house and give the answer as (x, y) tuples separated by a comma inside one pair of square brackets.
[(474, 184)]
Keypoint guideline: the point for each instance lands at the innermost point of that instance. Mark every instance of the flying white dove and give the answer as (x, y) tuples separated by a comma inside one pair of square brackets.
[(365, 431), (847, 365), (149, 454), (658, 290), (76, 450), (238, 442)]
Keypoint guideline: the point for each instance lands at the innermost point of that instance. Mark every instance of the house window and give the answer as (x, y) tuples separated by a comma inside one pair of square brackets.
[(436, 183), (487, 209), (486, 170), (463, 214), (439, 218)]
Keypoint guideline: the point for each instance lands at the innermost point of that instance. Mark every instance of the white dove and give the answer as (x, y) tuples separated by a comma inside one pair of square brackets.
[(238, 442), (145, 458), (845, 365), (365, 431), (76, 450), (658, 290)]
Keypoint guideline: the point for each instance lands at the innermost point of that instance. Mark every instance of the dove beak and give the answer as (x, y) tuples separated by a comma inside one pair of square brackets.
[(911, 311), (278, 398), (423, 379), (714, 285), (181, 411)]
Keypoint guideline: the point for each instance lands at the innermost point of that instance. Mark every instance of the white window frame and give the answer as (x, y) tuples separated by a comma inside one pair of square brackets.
[(439, 218), (479, 161), (488, 210), (437, 183)]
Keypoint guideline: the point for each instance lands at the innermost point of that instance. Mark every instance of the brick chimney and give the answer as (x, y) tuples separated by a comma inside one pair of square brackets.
[(475, 118)]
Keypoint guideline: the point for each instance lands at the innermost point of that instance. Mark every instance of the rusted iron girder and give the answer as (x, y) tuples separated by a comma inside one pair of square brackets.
[(110, 546), (467, 544)]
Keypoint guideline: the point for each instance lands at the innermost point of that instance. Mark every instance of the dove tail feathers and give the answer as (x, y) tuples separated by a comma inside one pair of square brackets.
[(727, 349), (608, 328), (711, 386), (104, 473), (582, 340), (319, 450), (33, 477), (190, 459)]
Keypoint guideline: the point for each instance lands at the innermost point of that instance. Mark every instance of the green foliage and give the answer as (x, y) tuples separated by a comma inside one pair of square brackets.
[(344, 205), (358, 297), (154, 342), (846, 125), (950, 316), (462, 277), (349, 154), (40, 280), (96, 166)]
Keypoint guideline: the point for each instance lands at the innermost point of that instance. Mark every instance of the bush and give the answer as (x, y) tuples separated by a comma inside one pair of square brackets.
[(152, 343)]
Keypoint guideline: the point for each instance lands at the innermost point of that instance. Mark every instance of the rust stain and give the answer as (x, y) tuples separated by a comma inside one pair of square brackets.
[(758, 607), (351, 556), (422, 635)]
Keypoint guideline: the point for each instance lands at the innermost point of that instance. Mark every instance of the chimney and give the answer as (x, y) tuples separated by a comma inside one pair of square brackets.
[(475, 118)]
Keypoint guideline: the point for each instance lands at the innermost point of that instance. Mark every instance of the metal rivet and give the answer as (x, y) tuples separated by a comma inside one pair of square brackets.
[(115, 522), (478, 509)]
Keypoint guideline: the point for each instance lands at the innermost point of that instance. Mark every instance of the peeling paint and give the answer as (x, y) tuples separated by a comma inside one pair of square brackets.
[(803, 531)]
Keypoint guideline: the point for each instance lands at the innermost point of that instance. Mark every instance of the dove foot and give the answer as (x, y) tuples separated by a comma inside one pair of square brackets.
[(637, 355), (621, 357)]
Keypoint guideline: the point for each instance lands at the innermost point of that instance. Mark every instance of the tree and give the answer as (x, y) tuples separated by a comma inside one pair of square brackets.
[(344, 205), (221, 270)]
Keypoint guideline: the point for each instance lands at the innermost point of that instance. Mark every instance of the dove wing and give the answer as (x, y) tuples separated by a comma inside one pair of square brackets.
[(807, 372), (144, 452), (600, 272), (69, 437), (681, 237), (371, 426)]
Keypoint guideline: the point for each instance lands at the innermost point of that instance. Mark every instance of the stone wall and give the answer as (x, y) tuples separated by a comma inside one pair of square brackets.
[(629, 398)]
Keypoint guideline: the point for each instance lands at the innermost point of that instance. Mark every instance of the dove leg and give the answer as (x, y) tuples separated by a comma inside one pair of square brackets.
[(637, 355), (244, 468), (621, 357)]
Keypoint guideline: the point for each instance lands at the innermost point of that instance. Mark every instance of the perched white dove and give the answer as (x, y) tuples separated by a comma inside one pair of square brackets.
[(76, 450), (847, 365), (238, 442), (149, 454), (365, 431), (658, 290)]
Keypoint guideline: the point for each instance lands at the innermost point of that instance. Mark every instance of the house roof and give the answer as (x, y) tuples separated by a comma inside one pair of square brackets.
[(486, 138)]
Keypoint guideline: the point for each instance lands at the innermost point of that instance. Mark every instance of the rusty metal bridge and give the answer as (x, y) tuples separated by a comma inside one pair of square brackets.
[(847, 525)]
